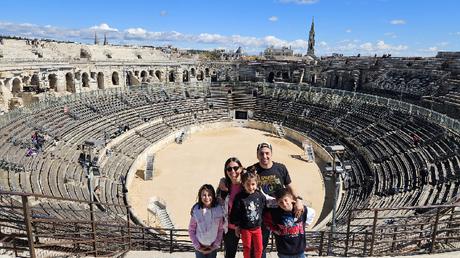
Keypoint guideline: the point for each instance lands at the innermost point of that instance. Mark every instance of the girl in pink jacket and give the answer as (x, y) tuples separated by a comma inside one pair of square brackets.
[(206, 223)]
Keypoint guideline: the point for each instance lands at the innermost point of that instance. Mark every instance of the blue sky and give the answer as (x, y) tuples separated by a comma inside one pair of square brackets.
[(400, 27)]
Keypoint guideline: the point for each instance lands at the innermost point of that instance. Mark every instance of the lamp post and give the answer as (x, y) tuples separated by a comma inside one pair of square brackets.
[(334, 150)]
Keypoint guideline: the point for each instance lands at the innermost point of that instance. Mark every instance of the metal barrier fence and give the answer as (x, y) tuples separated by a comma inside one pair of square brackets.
[(34, 225)]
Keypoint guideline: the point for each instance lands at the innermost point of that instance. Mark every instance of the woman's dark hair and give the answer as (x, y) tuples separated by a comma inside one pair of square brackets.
[(209, 188), (228, 181)]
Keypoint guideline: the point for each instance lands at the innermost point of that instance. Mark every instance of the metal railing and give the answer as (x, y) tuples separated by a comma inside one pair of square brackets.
[(33, 225)]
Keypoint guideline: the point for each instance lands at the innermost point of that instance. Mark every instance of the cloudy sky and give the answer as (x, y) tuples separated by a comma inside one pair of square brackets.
[(399, 27)]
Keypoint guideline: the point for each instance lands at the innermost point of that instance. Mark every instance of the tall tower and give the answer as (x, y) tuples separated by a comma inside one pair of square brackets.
[(105, 39), (311, 39), (96, 40)]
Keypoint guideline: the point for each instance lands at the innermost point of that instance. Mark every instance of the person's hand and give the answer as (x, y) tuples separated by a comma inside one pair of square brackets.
[(237, 232), (298, 208), (222, 185), (205, 249)]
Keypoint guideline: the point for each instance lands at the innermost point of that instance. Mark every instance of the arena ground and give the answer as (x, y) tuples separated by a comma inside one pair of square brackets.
[(180, 169)]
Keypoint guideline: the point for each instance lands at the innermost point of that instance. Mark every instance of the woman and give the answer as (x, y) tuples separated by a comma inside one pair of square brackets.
[(229, 187)]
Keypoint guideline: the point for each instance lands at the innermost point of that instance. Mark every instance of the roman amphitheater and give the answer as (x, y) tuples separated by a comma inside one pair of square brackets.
[(104, 147)]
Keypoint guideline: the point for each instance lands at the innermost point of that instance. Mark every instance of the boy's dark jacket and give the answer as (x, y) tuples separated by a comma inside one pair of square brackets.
[(289, 232)]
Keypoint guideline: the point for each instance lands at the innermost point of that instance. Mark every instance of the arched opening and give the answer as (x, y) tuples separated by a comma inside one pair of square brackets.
[(16, 87), (52, 80), (313, 78), (35, 80), (192, 72), (25, 80), (100, 80), (271, 77), (278, 74), (214, 77), (115, 79), (69, 83), (158, 75), (129, 78), (185, 76), (206, 72), (85, 80), (144, 76), (285, 76), (200, 76), (172, 76)]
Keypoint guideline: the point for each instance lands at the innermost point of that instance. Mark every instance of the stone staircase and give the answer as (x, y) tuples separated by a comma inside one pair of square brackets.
[(162, 214), (279, 130)]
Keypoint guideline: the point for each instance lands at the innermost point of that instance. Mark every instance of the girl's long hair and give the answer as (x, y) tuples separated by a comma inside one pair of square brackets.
[(210, 189)]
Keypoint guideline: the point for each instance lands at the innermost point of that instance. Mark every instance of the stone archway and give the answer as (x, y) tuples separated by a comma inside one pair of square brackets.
[(16, 87), (192, 72), (172, 76), (158, 75), (185, 77), (69, 83), (26, 80), (206, 72), (129, 78), (35, 80), (143, 76), (200, 76), (52, 80), (115, 79), (100, 80), (85, 80), (214, 76), (271, 77)]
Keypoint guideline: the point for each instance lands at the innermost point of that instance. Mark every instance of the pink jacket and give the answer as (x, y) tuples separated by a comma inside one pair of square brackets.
[(206, 227)]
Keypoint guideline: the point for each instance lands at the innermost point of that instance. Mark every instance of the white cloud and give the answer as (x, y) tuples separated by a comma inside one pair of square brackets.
[(381, 46), (298, 1), (135, 33), (398, 22), (163, 13), (249, 43), (273, 18), (348, 31), (102, 27)]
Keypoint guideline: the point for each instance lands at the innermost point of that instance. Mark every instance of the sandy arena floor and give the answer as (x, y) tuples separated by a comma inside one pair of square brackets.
[(180, 169)]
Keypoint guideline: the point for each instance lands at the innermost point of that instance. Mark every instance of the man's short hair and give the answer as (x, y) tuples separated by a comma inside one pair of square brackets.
[(283, 192), (264, 145)]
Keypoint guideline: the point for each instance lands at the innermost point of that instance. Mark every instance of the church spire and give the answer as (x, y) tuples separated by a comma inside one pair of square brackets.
[(96, 41), (311, 39), (105, 39)]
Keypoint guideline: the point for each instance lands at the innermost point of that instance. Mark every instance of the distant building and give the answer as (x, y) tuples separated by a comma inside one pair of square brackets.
[(448, 54), (271, 52)]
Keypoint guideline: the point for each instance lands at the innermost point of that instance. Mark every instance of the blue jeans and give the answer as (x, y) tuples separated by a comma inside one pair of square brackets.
[(212, 254), (301, 255), (265, 239)]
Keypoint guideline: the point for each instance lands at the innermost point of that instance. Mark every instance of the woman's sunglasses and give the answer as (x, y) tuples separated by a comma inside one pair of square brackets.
[(229, 169)]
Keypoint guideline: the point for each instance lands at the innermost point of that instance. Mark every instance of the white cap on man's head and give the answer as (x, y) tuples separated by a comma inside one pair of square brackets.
[(264, 145)]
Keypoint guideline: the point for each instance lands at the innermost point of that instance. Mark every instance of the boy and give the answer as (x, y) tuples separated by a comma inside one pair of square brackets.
[(289, 231)]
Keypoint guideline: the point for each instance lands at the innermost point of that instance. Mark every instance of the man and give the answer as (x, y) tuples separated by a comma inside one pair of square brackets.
[(273, 176)]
